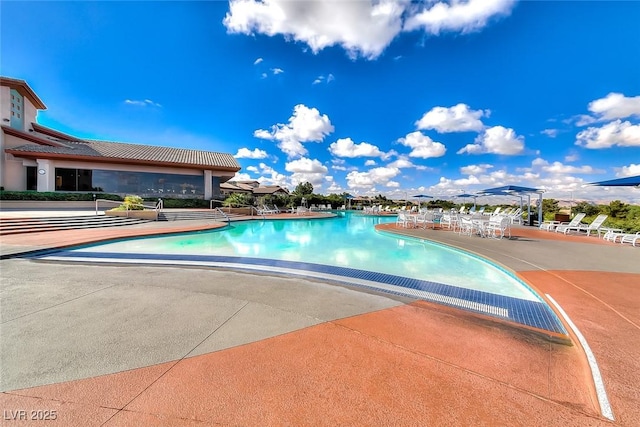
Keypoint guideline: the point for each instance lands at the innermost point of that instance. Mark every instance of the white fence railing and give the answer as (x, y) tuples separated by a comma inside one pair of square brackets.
[(157, 207)]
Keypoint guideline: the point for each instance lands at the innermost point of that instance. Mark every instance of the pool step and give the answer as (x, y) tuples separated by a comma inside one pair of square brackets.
[(35, 225)]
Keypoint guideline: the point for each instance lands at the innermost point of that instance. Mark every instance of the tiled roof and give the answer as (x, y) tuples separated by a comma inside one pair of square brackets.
[(270, 189), (135, 152)]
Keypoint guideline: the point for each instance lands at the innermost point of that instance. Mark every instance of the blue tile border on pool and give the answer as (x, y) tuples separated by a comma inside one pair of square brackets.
[(530, 313)]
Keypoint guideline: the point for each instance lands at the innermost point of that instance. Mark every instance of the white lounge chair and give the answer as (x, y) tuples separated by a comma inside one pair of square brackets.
[(595, 226), (515, 216), (631, 238), (565, 227)]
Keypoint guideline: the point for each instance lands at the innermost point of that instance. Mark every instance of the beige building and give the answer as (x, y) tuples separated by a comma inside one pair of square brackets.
[(35, 157)]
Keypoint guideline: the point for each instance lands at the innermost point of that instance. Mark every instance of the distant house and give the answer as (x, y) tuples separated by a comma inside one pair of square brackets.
[(231, 187), (270, 190), (252, 187), (35, 157)]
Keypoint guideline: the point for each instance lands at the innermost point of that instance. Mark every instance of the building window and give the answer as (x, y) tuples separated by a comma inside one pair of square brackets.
[(145, 184), (17, 121)]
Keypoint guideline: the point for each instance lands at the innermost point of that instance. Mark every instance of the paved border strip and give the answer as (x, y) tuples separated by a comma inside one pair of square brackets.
[(603, 400), (525, 312)]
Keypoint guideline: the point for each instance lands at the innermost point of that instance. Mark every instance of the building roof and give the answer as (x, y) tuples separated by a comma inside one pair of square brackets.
[(234, 188), (119, 152), (270, 189), (23, 89)]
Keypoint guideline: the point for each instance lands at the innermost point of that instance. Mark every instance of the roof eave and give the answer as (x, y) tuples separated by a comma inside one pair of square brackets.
[(24, 89), (29, 137), (95, 159)]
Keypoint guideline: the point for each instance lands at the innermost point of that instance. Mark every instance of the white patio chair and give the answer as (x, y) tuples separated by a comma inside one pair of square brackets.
[(566, 227), (425, 219), (498, 226), (466, 226), (405, 220), (450, 220)]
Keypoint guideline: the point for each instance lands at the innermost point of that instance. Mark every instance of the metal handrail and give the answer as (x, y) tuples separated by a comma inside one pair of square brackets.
[(251, 208), (158, 207), (224, 215)]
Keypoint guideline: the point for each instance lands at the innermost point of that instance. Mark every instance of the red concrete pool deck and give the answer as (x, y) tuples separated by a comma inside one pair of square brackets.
[(412, 364)]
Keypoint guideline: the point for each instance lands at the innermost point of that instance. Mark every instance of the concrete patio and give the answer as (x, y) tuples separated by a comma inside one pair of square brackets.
[(152, 345)]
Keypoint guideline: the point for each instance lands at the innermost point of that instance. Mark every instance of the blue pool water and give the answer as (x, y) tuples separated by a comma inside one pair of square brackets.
[(348, 240)]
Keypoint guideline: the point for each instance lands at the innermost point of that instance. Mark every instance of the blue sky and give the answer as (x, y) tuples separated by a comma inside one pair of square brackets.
[(393, 98)]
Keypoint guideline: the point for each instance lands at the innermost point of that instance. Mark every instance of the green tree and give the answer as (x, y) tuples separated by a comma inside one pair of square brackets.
[(237, 199), (303, 189), (550, 206), (587, 208), (617, 209)]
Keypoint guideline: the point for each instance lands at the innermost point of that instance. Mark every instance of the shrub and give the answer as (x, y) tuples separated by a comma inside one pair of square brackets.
[(132, 203)]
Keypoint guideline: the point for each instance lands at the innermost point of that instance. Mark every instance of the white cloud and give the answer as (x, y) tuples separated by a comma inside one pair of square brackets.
[(144, 103), (560, 168), (277, 70), (622, 134), (422, 146), (460, 16), (539, 162), (475, 169), (272, 177), (551, 133), (631, 170), (257, 61), (496, 140), (307, 170), (370, 163), (584, 120), (571, 157), (458, 118), (252, 169), (362, 28), (345, 147), (262, 134), (305, 165), (245, 153), (241, 177), (264, 75), (401, 163), (305, 125), (374, 176), (335, 188), (615, 106), (323, 79)]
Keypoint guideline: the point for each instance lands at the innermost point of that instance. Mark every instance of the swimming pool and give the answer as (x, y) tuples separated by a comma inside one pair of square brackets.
[(346, 249), (348, 240)]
